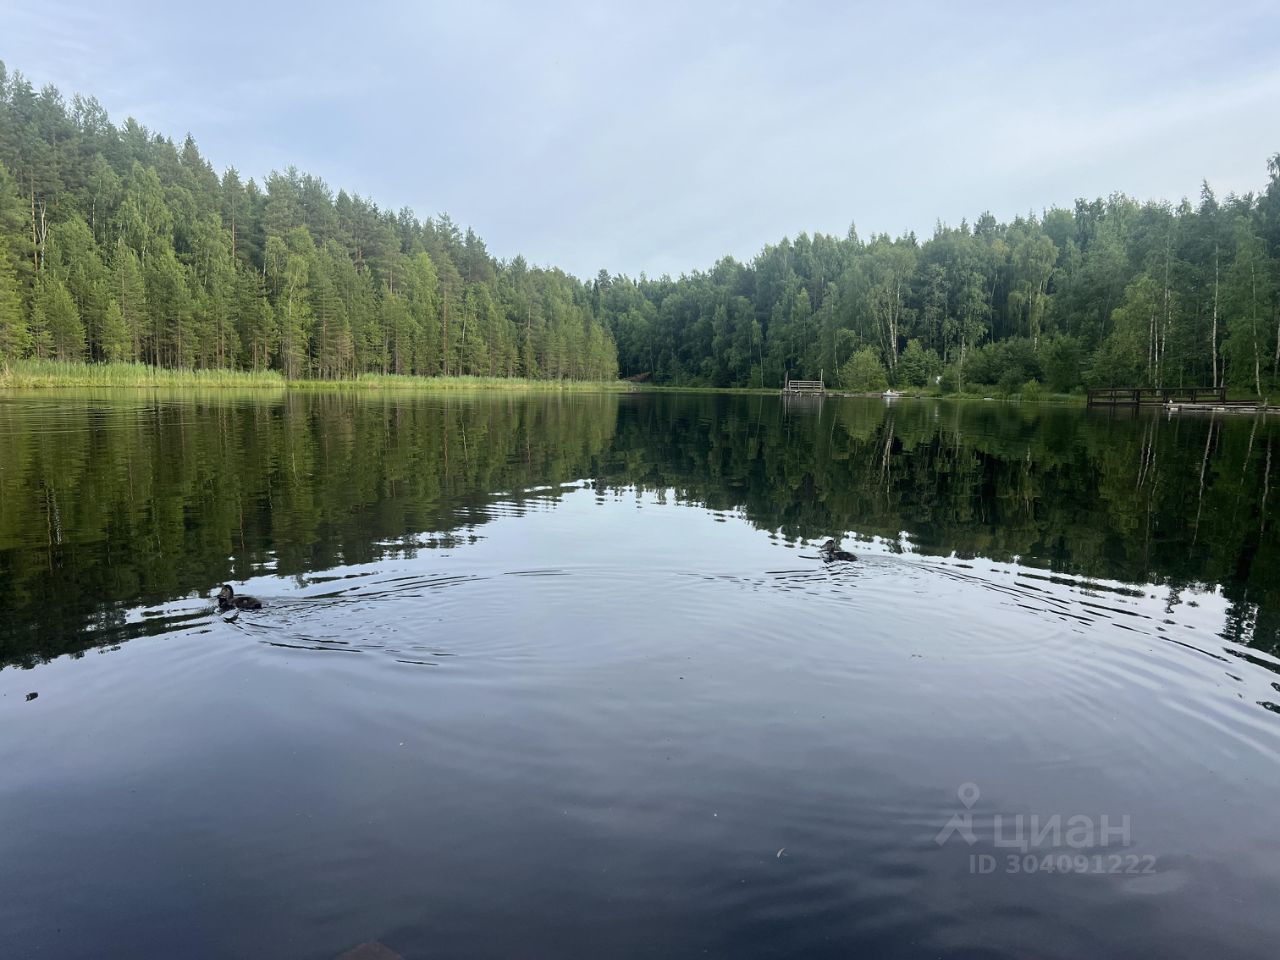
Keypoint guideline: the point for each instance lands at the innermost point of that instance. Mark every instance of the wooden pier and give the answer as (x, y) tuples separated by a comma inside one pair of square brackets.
[(1142, 396), (812, 387), (1177, 400)]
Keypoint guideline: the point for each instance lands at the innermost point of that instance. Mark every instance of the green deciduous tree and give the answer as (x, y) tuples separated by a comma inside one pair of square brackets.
[(864, 372), (918, 366)]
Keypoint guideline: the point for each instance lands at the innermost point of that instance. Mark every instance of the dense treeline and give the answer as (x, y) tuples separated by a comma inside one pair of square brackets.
[(1110, 292), (117, 244), (120, 245)]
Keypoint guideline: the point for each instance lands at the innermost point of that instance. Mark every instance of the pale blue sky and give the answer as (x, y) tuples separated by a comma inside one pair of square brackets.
[(659, 136)]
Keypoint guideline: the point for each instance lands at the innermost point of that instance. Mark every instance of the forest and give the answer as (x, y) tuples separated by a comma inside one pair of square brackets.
[(119, 245), (1109, 293)]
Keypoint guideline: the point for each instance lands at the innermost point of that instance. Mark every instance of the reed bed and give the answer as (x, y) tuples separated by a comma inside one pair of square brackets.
[(54, 374)]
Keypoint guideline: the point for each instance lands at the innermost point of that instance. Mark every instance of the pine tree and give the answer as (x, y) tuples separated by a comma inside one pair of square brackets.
[(15, 337), (130, 295), (62, 331), (115, 338)]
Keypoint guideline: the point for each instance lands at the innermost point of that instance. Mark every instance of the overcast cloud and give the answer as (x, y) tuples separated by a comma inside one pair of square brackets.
[(658, 137)]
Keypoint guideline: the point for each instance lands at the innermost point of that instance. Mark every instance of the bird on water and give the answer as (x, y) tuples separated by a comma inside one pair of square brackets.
[(831, 552), (227, 600)]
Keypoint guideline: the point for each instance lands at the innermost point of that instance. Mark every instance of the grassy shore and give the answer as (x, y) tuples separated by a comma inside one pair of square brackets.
[(389, 381), (50, 374)]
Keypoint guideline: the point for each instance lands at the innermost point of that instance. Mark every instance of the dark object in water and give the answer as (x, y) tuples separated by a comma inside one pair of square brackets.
[(32, 695), (227, 600), (831, 552)]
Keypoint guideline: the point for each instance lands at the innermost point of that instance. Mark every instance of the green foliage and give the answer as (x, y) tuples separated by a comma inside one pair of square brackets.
[(918, 366), (1116, 363), (1009, 363), (118, 245), (43, 374), (61, 330), (40, 374), (1145, 292), (115, 341), (1009, 383), (1250, 291), (15, 337), (208, 272), (863, 372), (1063, 363)]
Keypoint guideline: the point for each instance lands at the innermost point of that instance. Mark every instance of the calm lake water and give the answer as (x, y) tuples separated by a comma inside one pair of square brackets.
[(567, 676)]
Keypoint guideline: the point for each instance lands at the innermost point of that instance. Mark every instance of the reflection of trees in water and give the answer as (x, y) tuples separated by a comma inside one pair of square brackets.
[(1143, 499), (108, 506), (112, 506)]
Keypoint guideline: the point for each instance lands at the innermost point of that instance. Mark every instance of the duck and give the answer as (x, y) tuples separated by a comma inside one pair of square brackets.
[(227, 600), (831, 552)]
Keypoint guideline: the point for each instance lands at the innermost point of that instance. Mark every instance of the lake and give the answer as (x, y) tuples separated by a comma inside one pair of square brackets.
[(567, 675)]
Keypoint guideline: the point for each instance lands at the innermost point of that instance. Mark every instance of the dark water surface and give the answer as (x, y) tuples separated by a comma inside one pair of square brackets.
[(566, 676)]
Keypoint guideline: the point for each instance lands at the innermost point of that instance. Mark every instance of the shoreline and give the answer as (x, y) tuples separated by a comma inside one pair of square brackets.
[(46, 375), (40, 375)]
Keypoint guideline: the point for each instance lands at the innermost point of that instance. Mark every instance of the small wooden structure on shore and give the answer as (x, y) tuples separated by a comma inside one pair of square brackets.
[(812, 387)]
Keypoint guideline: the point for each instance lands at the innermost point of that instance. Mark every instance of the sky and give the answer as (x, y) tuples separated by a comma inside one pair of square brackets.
[(658, 137)]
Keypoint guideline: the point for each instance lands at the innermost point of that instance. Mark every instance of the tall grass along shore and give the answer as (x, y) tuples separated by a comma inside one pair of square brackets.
[(51, 374)]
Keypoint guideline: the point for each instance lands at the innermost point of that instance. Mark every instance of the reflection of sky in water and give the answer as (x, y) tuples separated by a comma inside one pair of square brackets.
[(570, 721)]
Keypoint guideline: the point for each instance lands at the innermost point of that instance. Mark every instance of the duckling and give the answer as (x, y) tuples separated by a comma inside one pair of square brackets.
[(227, 600), (831, 552)]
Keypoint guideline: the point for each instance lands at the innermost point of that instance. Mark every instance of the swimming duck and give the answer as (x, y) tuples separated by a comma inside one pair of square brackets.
[(831, 552), (227, 600)]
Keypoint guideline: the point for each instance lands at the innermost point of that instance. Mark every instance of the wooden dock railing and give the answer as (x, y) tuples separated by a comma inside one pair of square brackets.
[(1138, 396), (804, 386)]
